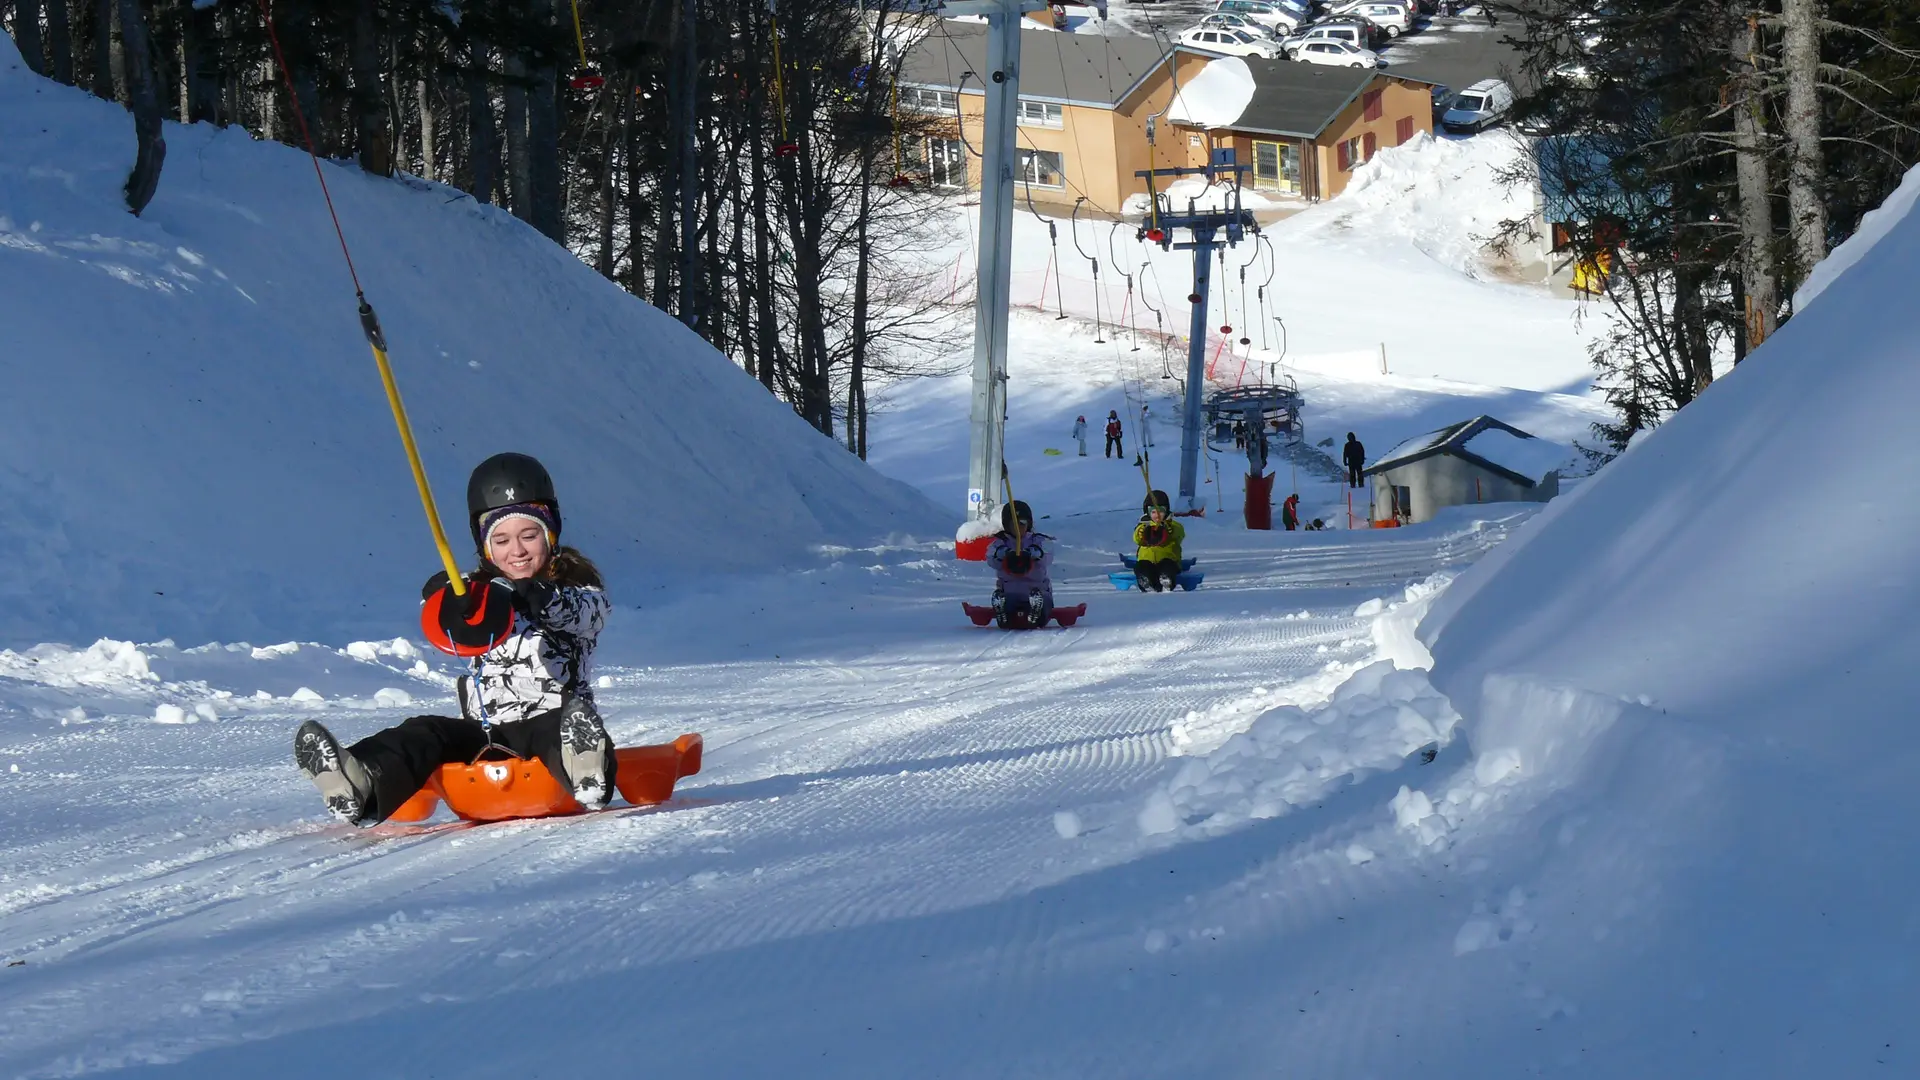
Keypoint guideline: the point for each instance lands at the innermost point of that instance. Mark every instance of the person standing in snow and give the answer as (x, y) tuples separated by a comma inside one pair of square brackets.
[(1290, 512), (1355, 457), (1157, 541), (1146, 424), (532, 612), (1080, 433), (1021, 561), (1114, 449)]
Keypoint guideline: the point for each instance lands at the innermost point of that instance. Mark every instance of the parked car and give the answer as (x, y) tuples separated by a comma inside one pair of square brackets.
[(1336, 54), (1392, 18), (1265, 12), (1442, 100), (1230, 42), (1479, 106), (1357, 34), (1219, 19)]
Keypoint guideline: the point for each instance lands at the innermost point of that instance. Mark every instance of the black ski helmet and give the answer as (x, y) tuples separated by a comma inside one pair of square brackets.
[(1156, 498), (1008, 512), (504, 480)]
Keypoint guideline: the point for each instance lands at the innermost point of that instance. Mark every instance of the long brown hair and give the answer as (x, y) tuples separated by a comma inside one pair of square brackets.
[(567, 567)]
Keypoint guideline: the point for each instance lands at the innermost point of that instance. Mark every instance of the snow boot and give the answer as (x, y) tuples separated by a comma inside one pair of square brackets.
[(1000, 616), (343, 781), (587, 754), (1037, 610)]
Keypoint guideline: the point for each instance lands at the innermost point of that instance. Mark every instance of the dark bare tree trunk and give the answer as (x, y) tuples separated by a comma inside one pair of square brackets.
[(106, 53), (144, 97), (1758, 282), (519, 164), (1806, 160), (203, 69), (546, 192), (26, 34), (636, 200), (429, 146), (60, 41), (483, 147), (609, 198), (369, 99)]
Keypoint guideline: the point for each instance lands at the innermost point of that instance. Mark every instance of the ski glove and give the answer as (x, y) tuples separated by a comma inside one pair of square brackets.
[(1154, 535), (480, 618), (530, 595), (1019, 563)]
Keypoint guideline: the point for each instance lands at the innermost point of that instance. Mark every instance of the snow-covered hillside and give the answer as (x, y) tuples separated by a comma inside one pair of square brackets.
[(1706, 683), (194, 437), (1395, 261)]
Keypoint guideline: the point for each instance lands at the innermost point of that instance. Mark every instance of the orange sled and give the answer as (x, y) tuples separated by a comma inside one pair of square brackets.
[(523, 788)]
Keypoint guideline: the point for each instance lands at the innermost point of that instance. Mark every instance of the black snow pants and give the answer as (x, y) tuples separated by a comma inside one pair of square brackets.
[(402, 758), (1114, 449), (1353, 474), (1159, 575)]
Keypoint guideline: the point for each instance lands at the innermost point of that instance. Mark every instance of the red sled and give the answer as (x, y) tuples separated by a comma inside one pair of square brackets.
[(1017, 618), (523, 788)]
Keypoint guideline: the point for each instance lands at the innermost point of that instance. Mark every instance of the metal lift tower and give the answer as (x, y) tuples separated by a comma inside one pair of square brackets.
[(1207, 227), (993, 294)]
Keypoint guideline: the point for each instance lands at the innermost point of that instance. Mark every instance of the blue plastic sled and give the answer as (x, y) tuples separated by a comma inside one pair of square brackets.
[(1129, 561), (1124, 580)]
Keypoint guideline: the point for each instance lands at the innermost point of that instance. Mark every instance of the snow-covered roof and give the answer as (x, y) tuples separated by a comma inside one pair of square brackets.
[(1216, 97), (1531, 457), (1487, 442)]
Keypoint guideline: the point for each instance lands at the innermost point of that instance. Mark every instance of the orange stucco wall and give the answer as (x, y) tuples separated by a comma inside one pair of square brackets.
[(1399, 100)]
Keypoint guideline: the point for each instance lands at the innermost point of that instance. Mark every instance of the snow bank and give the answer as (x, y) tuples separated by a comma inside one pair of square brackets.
[(195, 439), (1216, 97), (1728, 684), (1441, 194), (1292, 756), (1287, 753), (1874, 227)]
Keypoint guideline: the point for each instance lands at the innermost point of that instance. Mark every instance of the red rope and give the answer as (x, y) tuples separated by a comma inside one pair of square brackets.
[(313, 155)]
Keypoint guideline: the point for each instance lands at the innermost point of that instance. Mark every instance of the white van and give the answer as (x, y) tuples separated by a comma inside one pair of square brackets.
[(1481, 105), (1394, 18)]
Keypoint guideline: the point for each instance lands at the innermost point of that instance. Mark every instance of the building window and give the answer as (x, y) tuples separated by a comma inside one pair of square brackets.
[(1041, 168), (1040, 114), (1351, 156), (920, 99), (1403, 502), (1403, 131), (946, 163), (1276, 167), (1194, 141), (1374, 109)]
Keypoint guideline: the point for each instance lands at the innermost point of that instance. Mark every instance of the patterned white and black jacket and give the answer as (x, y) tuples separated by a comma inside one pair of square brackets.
[(544, 661)]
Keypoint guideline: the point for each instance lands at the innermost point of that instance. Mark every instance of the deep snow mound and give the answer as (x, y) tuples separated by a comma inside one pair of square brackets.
[(1707, 652), (195, 439), (1444, 196)]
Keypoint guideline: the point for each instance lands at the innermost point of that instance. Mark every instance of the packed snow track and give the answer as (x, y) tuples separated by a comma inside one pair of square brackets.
[(912, 835)]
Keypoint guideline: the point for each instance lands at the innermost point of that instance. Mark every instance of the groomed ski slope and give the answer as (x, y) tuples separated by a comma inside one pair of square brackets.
[(916, 848)]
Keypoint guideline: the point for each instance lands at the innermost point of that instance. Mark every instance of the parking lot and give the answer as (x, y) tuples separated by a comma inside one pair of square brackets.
[(1456, 51)]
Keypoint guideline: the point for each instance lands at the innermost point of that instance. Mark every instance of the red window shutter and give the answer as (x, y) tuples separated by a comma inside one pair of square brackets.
[(1373, 106), (1372, 143), (1403, 130), (1346, 158)]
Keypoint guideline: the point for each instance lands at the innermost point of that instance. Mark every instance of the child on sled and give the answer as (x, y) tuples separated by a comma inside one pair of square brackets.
[(1020, 558), (531, 615), (1157, 540)]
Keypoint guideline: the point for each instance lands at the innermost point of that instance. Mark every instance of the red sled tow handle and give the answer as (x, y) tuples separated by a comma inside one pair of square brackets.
[(467, 625)]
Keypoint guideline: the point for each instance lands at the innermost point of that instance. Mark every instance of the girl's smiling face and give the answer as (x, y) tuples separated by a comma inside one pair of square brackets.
[(519, 548)]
